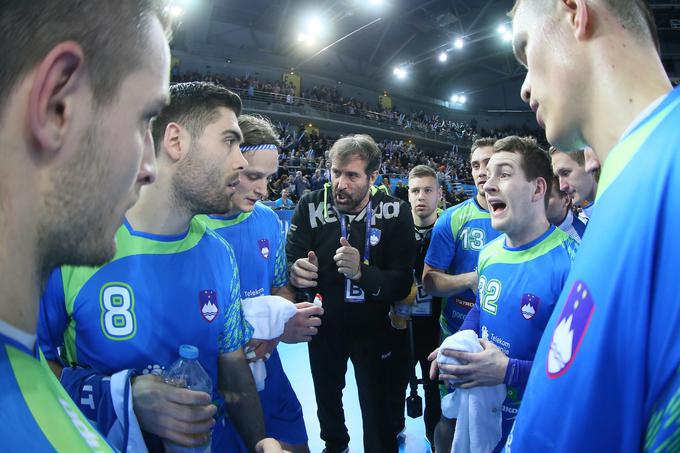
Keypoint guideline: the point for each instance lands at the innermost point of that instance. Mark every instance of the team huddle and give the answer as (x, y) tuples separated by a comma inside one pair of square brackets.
[(541, 312)]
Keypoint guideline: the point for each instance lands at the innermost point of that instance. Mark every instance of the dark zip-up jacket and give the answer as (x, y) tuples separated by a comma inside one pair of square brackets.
[(385, 280)]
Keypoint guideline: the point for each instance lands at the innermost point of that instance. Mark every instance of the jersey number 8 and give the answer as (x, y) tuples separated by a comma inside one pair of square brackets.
[(118, 315)]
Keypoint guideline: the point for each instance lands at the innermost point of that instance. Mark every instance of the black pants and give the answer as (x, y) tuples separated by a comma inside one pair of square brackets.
[(426, 340), (369, 350)]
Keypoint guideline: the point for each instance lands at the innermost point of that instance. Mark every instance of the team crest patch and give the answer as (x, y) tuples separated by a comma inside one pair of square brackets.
[(571, 328), (375, 236), (207, 302), (529, 305), (264, 248)]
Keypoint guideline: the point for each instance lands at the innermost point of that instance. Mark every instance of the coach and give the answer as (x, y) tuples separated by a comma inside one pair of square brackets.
[(355, 247)]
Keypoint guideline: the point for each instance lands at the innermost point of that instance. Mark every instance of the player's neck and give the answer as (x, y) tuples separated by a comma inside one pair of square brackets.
[(425, 221), (21, 267), (621, 92), (564, 217), (157, 213), (231, 213), (481, 200), (528, 233), (20, 278)]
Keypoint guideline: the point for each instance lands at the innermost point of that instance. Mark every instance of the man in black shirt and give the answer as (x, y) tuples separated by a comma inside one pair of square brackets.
[(355, 247), (419, 307)]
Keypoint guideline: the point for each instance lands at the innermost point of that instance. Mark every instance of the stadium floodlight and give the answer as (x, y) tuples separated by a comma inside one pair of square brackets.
[(314, 26), (455, 98), (462, 99), (502, 29), (302, 37), (400, 72), (507, 36), (176, 11), (443, 57), (458, 43)]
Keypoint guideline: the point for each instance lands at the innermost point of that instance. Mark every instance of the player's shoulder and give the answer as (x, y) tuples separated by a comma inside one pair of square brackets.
[(491, 249), (447, 214), (213, 242), (262, 211), (468, 210), (565, 244)]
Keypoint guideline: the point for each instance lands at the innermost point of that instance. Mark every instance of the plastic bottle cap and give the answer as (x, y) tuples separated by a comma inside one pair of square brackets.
[(187, 351)]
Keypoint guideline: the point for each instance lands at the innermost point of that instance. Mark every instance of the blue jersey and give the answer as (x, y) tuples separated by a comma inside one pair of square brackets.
[(259, 247), (605, 376), (36, 413), (518, 289), (157, 293), (458, 236)]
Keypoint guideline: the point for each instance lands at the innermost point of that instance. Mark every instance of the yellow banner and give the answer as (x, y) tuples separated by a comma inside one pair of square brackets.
[(294, 79)]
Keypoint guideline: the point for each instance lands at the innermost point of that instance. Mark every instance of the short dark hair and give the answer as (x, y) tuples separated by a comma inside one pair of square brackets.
[(634, 15), (360, 145), (481, 143), (535, 161), (423, 171), (258, 130), (577, 156), (194, 106), (111, 33)]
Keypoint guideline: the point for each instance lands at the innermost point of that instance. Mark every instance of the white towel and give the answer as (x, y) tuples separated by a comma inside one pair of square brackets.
[(268, 316), (478, 411)]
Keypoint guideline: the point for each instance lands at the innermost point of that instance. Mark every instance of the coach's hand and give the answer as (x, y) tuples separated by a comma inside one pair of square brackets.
[(348, 260), (305, 271), (304, 325), (180, 415), (484, 368)]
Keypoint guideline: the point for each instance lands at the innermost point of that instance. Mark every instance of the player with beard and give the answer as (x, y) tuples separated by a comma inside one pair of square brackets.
[(521, 275), (355, 247), (79, 84), (254, 232), (451, 261), (165, 286)]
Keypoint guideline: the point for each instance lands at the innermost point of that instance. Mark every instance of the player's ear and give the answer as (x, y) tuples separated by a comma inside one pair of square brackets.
[(540, 189), (578, 16), (174, 141), (56, 82)]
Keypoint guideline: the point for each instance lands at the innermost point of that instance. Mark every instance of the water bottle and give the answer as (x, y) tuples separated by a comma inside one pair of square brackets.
[(186, 372)]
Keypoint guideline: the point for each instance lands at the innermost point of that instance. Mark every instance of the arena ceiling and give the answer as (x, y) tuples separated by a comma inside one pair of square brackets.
[(380, 35)]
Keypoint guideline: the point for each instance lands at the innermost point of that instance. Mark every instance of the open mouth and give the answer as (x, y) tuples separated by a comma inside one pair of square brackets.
[(497, 207), (341, 198)]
